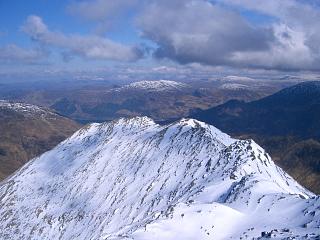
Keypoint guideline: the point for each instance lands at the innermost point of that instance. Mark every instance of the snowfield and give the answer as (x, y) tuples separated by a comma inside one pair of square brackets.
[(134, 179)]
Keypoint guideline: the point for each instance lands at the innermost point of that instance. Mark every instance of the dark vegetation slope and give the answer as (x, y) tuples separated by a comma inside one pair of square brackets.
[(25, 135)]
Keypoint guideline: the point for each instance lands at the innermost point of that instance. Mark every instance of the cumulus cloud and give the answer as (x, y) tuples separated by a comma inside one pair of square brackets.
[(297, 29), (218, 34), (198, 31), (87, 47), (103, 12), (213, 33), (14, 54), (99, 9)]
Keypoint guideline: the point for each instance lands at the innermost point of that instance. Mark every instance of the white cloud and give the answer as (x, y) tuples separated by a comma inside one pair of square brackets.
[(14, 54), (288, 53), (219, 34), (198, 31), (87, 47), (201, 32), (99, 9), (103, 12), (296, 28)]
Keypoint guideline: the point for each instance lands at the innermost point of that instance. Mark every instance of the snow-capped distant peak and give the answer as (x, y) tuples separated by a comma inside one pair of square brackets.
[(234, 86), (155, 86), (237, 78)]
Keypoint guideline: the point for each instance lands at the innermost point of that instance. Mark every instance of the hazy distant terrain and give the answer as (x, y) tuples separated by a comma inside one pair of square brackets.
[(97, 101)]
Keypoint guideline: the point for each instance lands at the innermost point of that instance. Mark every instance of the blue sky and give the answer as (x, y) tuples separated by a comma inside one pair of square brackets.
[(58, 17), (13, 13), (86, 35)]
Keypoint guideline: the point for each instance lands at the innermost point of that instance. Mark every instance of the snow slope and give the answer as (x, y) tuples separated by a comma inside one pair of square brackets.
[(134, 179)]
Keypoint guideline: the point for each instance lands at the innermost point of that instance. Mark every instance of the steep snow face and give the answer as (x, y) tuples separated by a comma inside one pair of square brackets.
[(134, 179), (25, 109), (154, 86)]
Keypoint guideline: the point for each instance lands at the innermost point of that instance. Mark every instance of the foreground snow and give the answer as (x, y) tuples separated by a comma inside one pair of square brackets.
[(134, 179)]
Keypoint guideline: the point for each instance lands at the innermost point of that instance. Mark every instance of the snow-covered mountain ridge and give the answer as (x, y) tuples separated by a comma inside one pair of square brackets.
[(134, 179)]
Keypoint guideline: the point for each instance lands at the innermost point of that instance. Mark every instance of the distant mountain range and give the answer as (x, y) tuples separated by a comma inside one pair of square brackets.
[(286, 123), (163, 100), (134, 179), (28, 131)]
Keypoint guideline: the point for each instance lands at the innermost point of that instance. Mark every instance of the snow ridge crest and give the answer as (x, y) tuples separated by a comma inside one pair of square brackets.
[(135, 179)]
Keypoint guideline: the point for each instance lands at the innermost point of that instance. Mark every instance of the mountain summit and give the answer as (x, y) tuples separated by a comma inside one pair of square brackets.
[(134, 179)]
